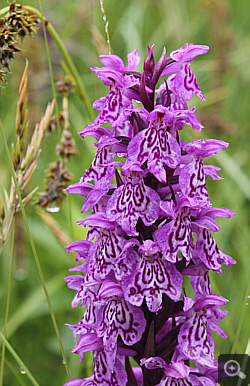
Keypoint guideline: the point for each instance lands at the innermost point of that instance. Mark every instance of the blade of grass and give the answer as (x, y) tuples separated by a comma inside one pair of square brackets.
[(19, 377), (51, 72), (240, 320), (8, 299), (35, 252), (19, 361), (236, 173), (106, 24), (28, 308)]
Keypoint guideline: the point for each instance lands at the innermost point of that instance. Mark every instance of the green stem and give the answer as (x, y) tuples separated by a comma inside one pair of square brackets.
[(240, 320), (34, 251), (19, 377), (19, 361), (8, 299), (51, 72), (80, 87)]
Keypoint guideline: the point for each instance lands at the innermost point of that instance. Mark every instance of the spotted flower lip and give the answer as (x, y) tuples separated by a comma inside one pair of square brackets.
[(152, 278), (184, 80), (132, 201), (151, 223)]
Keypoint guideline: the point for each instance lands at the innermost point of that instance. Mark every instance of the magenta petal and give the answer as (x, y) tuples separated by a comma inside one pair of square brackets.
[(208, 223), (212, 171), (171, 68), (195, 340), (153, 363), (110, 288), (193, 51), (80, 246), (98, 220), (205, 148), (133, 60), (96, 132), (112, 61), (175, 236), (209, 253), (80, 188), (217, 328), (88, 342), (186, 84), (192, 180), (75, 382), (210, 301)]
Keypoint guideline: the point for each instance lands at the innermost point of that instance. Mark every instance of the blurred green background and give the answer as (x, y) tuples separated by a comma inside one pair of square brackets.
[(224, 78)]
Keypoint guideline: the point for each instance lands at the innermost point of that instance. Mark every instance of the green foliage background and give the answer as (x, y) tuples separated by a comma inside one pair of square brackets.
[(223, 75)]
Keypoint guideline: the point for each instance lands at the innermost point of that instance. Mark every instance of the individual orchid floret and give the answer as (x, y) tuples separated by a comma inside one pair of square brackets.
[(113, 106), (110, 251), (106, 375), (180, 106), (93, 194), (156, 145), (112, 109), (192, 178), (87, 288), (114, 69), (151, 278), (118, 317), (102, 169), (200, 281), (195, 337), (207, 250), (184, 81), (175, 235), (132, 201)]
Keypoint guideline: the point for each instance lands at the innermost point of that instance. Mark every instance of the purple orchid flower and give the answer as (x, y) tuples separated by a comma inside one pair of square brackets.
[(150, 224), (195, 337), (184, 81), (132, 201), (112, 107), (151, 278)]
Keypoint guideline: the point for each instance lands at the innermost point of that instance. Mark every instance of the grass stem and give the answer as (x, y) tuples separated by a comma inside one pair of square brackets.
[(23, 368), (34, 252), (8, 298)]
